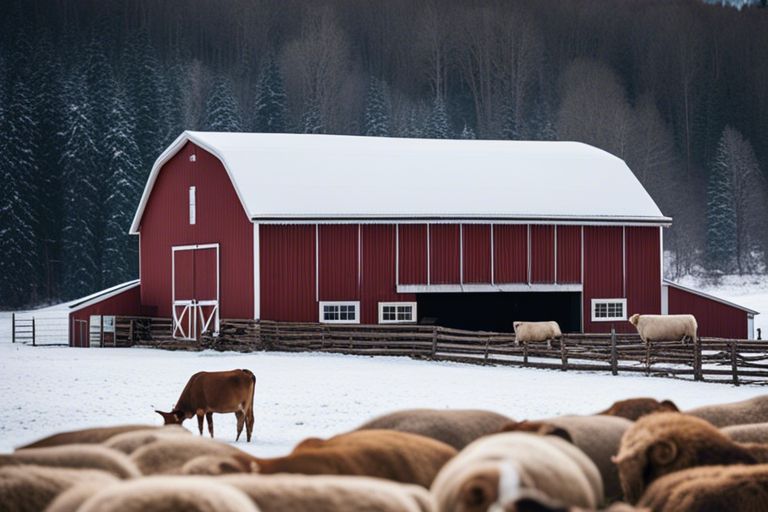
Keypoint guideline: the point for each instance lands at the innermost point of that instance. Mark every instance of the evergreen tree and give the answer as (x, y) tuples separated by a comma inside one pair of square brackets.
[(311, 120), (509, 128), (437, 123), (18, 168), (413, 125), (222, 113), (79, 166), (721, 217), (468, 132), (120, 261), (173, 102), (542, 126), (376, 116), (269, 110)]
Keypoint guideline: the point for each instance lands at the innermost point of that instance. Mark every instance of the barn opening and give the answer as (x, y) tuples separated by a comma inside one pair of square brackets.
[(496, 311)]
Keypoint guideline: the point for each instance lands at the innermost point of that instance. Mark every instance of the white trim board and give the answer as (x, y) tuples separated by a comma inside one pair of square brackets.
[(480, 288), (108, 293)]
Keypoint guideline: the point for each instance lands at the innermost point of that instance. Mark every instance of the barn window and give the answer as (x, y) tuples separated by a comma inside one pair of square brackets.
[(192, 206), (340, 312), (607, 310), (397, 312)]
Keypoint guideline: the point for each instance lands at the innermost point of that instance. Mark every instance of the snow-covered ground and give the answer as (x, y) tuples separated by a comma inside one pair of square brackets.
[(49, 389)]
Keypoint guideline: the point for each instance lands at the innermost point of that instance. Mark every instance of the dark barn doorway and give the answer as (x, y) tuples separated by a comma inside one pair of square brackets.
[(496, 311)]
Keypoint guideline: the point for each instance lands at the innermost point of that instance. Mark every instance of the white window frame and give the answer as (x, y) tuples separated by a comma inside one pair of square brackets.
[(192, 206), (323, 303), (412, 305), (595, 302)]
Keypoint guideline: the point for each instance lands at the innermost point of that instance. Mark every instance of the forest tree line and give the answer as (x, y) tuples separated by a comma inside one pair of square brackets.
[(92, 91)]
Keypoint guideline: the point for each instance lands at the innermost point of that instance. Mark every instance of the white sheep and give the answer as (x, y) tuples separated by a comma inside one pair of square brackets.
[(78, 456), (496, 470), (129, 442), (169, 454), (665, 327), (537, 331)]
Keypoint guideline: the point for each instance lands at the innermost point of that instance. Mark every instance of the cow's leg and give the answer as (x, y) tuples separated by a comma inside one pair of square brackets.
[(249, 423), (200, 421), (240, 420), (209, 417)]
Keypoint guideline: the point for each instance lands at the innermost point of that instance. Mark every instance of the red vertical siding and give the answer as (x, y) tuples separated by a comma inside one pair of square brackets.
[(378, 275), (205, 274), (184, 275), (568, 254), (127, 303), (603, 272), (715, 319), (510, 253), (643, 270), (338, 262), (288, 273), (542, 254), (477, 253), (444, 254), (413, 253), (220, 219)]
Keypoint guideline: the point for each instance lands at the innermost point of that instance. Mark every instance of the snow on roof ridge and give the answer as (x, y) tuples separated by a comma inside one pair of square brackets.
[(327, 176)]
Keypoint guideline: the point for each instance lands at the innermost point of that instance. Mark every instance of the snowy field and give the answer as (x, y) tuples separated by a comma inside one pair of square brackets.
[(44, 390)]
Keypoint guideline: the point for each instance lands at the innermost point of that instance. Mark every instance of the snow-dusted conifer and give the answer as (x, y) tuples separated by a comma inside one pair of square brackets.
[(721, 217), (222, 113), (269, 109), (468, 132), (437, 123), (376, 116), (80, 205)]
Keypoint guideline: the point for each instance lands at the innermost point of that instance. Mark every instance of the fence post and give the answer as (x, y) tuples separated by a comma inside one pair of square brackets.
[(563, 356), (101, 331), (487, 343), (697, 373), (525, 353), (13, 327), (614, 357), (130, 332), (734, 364), (648, 357), (33, 331), (434, 341)]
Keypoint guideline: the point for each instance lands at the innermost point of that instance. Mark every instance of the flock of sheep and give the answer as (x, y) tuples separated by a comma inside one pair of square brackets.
[(639, 454)]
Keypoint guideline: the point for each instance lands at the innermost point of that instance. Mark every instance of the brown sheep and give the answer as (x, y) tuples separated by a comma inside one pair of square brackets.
[(753, 410), (400, 456), (168, 455), (331, 493), (166, 493), (598, 437), (749, 433), (129, 442), (76, 456), (635, 408), (735, 487), (457, 427), (666, 442), (71, 499), (86, 436), (31, 488), (496, 470)]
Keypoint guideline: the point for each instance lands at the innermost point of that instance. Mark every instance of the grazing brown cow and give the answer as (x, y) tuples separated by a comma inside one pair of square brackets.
[(220, 392)]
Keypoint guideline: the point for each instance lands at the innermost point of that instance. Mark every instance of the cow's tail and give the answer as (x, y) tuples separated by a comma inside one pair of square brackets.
[(253, 387)]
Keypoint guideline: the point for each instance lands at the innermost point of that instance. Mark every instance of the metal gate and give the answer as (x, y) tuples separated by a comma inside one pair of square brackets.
[(196, 291)]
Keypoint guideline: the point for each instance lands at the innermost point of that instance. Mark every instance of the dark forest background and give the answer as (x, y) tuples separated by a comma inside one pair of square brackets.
[(92, 91)]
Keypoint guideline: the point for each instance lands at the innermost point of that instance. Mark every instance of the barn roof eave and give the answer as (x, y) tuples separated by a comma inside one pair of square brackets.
[(469, 219), (679, 286)]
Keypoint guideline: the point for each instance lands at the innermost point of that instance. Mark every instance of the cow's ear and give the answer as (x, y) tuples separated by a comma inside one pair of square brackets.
[(165, 415)]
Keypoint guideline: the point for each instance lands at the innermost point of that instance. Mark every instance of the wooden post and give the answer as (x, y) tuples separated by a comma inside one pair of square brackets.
[(734, 364), (13, 327), (525, 353), (101, 331), (648, 357), (487, 343), (697, 373), (563, 356), (130, 332), (33, 331), (434, 341)]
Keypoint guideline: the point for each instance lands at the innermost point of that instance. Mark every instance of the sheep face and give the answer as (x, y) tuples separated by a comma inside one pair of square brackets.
[(634, 319)]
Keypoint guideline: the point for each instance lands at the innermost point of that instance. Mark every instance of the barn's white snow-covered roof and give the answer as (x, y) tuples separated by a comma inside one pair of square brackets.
[(339, 177)]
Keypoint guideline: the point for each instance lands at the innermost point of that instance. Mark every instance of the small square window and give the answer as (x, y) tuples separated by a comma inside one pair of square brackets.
[(609, 310), (397, 312)]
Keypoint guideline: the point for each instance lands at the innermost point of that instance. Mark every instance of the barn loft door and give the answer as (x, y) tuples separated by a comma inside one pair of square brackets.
[(195, 290)]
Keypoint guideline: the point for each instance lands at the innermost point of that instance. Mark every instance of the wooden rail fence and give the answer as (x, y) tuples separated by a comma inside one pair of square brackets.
[(711, 359)]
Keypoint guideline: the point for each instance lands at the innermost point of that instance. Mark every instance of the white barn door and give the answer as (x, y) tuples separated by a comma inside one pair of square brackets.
[(195, 287)]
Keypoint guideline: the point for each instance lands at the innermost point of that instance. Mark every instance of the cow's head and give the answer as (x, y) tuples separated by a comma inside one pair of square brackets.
[(174, 417)]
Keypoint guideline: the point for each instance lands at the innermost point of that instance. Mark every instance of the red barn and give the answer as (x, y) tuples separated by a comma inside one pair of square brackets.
[(341, 229)]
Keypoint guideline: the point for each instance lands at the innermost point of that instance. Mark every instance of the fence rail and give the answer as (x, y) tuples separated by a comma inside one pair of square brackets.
[(711, 359), (39, 329)]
